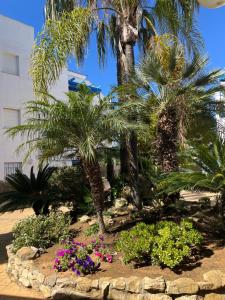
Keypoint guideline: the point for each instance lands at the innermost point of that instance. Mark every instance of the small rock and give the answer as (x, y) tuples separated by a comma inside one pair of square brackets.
[(154, 285), (25, 282), (216, 277), (182, 286), (95, 284), (92, 222), (133, 284), (205, 286), (120, 203), (27, 253), (50, 280), (118, 283), (46, 291), (157, 297), (84, 219), (214, 297), (193, 297), (83, 284)]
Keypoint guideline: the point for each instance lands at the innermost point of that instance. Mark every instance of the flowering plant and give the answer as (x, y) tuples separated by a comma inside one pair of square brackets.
[(76, 256)]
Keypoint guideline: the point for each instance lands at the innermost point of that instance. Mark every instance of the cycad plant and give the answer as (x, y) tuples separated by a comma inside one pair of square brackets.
[(77, 127), (27, 191), (206, 173), (174, 89)]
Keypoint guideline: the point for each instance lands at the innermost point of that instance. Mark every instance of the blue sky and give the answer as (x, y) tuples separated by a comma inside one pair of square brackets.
[(211, 24)]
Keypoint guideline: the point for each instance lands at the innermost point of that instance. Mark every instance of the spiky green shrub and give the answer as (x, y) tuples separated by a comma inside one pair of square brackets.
[(165, 243), (41, 231)]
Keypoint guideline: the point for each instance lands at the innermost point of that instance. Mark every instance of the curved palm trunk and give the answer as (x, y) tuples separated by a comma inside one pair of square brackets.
[(166, 143), (93, 173)]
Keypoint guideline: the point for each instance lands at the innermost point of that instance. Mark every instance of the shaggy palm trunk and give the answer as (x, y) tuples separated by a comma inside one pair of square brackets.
[(166, 144), (93, 173)]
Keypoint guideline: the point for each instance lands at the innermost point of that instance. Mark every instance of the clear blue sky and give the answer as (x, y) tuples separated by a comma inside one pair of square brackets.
[(211, 24)]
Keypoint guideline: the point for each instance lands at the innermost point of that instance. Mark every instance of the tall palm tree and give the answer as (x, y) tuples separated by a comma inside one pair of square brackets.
[(76, 127), (176, 90)]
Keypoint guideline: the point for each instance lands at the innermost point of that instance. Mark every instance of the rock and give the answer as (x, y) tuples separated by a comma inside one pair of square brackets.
[(120, 203), (216, 277), (131, 207), (64, 282), (154, 285), (84, 219), (27, 253), (83, 284), (46, 290), (193, 297), (25, 282), (120, 295), (92, 222), (205, 286), (104, 284), (40, 277), (118, 283), (95, 284), (106, 185), (182, 286), (214, 297), (157, 297), (25, 273), (133, 284), (50, 280)]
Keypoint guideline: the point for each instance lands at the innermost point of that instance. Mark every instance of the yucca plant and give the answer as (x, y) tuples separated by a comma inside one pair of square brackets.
[(77, 127), (27, 191), (206, 173)]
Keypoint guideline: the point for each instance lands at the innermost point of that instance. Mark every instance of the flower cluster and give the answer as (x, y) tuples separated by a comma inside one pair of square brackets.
[(75, 256)]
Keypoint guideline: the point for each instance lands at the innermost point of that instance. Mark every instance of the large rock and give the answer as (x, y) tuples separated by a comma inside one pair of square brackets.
[(216, 277), (84, 219), (133, 284), (154, 285), (25, 282), (27, 253), (83, 284), (205, 286), (182, 286), (46, 291), (193, 297), (118, 283), (157, 297), (120, 295), (50, 280), (120, 203)]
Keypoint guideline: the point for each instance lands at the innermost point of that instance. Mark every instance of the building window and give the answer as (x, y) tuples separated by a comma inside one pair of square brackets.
[(11, 117), (11, 167), (10, 63)]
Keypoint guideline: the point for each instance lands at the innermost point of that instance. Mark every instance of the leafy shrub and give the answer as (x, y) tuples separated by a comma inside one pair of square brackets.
[(173, 243), (41, 231), (165, 243), (76, 256), (136, 244), (93, 229)]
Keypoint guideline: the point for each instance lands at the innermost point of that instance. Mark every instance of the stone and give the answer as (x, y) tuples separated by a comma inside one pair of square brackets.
[(157, 297), (25, 273), (182, 286), (50, 280), (66, 282), (205, 286), (154, 285), (104, 284), (133, 284), (46, 290), (83, 284), (214, 297), (92, 222), (35, 284), (216, 277), (27, 253), (84, 219), (118, 283), (95, 284), (193, 297), (120, 295), (25, 282), (120, 203), (39, 277)]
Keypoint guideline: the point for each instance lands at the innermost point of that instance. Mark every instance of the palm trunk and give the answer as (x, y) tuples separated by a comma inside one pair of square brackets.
[(166, 144), (93, 173)]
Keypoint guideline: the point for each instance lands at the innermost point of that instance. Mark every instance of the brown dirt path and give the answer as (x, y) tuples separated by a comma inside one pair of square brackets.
[(10, 290)]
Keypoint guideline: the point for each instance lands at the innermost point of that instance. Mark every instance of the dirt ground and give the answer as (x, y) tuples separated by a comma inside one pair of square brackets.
[(10, 290)]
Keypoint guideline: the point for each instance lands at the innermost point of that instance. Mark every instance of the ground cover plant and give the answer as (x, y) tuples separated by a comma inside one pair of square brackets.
[(165, 243), (41, 231)]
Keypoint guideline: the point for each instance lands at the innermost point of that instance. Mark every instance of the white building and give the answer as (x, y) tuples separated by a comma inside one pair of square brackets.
[(16, 41)]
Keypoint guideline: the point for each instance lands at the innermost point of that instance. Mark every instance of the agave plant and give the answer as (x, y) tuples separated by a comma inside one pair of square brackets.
[(27, 191)]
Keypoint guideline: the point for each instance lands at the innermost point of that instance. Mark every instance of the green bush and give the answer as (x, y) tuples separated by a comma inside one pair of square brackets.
[(41, 231), (165, 243), (93, 229), (136, 244), (173, 243)]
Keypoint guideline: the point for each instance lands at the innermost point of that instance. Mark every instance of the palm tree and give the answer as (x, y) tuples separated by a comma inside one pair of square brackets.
[(27, 191), (76, 127), (176, 89), (207, 172), (123, 24)]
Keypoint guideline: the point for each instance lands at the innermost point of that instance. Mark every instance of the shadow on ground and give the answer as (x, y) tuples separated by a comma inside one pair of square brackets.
[(5, 239), (6, 297)]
